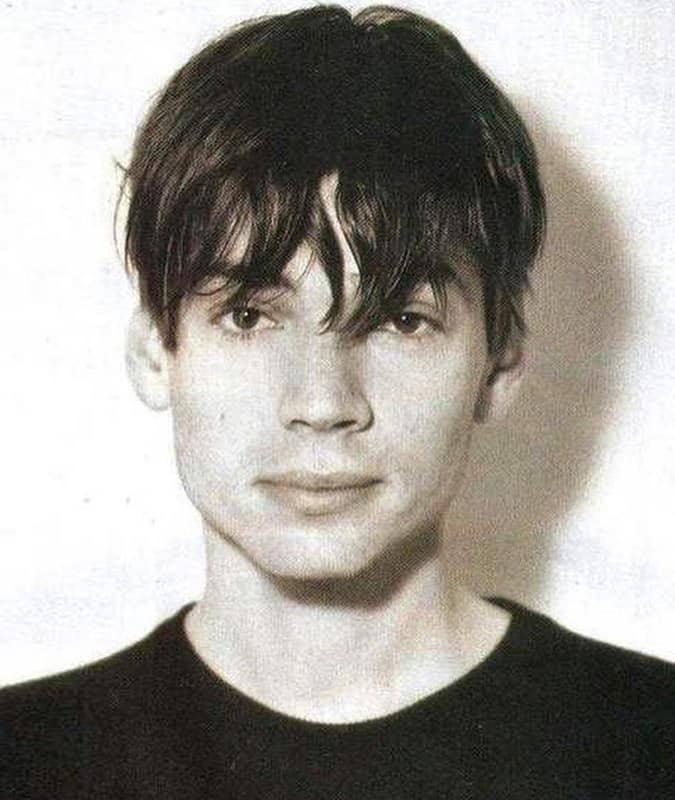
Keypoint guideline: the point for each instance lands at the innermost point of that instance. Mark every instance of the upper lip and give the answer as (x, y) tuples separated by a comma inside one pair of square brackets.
[(319, 481)]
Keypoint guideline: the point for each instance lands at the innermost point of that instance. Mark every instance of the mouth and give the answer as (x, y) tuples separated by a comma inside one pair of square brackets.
[(318, 494)]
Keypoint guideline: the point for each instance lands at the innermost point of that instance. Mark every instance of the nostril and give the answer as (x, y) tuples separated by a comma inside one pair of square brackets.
[(344, 417), (325, 392), (320, 423), (347, 423)]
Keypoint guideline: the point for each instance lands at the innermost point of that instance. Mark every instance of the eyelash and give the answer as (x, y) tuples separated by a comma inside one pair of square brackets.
[(432, 325), (428, 322), (243, 333)]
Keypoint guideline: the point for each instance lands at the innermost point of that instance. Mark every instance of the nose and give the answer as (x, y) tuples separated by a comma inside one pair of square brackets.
[(324, 391)]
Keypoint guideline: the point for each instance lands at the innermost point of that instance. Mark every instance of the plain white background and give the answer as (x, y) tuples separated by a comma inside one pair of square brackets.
[(570, 502)]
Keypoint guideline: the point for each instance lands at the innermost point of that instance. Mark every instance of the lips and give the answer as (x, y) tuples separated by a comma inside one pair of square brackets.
[(317, 494), (320, 481)]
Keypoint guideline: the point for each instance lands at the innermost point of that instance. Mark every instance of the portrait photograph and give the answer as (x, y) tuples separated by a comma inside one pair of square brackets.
[(338, 400)]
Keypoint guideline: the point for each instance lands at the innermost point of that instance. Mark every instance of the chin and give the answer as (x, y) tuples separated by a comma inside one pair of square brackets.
[(315, 567), (344, 568), (314, 555)]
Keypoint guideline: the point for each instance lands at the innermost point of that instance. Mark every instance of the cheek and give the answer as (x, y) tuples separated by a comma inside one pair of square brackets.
[(215, 423), (433, 398), (210, 385), (429, 426), (439, 443)]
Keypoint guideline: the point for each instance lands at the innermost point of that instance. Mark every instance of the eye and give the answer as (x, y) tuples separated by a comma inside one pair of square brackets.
[(410, 323), (246, 318), (244, 321), (407, 322)]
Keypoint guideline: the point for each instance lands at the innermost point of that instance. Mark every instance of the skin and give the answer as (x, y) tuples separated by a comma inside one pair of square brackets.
[(323, 468), (251, 405)]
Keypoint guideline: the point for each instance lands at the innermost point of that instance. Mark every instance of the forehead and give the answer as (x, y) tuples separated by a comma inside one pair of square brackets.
[(365, 262), (451, 251), (304, 287)]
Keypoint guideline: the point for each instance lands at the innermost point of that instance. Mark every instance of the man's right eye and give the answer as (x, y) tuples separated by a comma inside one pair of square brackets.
[(244, 321)]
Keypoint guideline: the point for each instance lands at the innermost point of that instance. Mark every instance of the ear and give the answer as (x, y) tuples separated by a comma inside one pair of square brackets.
[(501, 383), (147, 361)]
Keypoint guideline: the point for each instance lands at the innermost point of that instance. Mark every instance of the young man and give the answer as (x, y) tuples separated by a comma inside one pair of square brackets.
[(331, 222)]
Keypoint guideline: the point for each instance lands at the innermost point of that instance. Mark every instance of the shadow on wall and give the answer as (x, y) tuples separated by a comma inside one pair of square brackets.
[(530, 469)]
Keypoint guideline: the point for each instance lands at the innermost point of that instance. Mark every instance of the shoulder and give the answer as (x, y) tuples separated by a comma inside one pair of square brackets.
[(597, 674), (50, 726), (608, 707), (632, 691), (627, 680), (113, 675), (631, 687), (541, 640)]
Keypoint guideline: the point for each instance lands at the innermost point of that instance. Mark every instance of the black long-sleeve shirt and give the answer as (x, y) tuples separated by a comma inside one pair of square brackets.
[(548, 715)]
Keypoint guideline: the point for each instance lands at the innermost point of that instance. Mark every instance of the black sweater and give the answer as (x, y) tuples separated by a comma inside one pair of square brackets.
[(549, 714)]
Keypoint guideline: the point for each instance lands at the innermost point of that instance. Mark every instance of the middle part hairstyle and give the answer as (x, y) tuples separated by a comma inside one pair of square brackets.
[(434, 167)]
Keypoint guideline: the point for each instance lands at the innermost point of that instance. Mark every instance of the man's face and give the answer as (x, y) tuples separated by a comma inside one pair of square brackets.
[(314, 453)]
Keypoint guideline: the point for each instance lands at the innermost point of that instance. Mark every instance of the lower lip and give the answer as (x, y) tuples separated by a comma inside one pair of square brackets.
[(319, 502)]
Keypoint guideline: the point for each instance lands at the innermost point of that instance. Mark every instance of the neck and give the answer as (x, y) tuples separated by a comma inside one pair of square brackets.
[(335, 651)]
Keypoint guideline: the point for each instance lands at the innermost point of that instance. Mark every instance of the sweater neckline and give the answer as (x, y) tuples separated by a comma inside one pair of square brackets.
[(509, 650)]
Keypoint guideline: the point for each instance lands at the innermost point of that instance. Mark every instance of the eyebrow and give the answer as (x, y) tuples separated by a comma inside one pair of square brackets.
[(225, 295), (233, 278), (231, 287)]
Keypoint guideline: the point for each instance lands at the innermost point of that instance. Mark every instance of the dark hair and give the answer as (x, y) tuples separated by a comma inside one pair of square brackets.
[(433, 165)]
